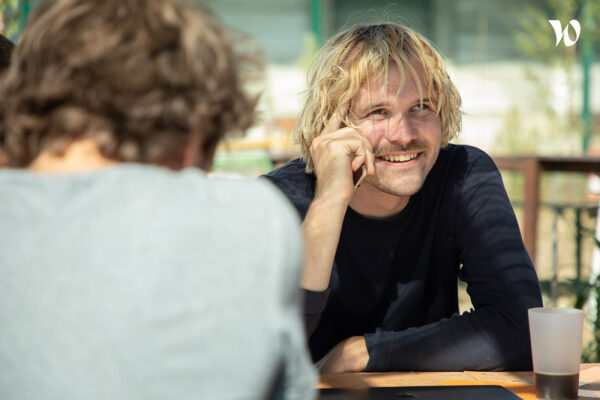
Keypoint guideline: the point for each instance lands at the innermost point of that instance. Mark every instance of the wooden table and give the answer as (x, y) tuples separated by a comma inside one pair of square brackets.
[(532, 167), (521, 383)]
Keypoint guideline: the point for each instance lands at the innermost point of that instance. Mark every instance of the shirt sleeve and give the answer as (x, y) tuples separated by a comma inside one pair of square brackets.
[(298, 375), (502, 284), (314, 304)]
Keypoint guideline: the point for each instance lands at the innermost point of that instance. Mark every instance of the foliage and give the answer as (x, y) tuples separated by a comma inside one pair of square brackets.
[(584, 292), (9, 9), (553, 73), (533, 39)]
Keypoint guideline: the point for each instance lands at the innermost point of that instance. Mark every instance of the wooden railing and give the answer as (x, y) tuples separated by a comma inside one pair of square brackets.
[(532, 167)]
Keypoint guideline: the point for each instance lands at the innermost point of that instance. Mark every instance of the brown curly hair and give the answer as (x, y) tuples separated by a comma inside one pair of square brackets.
[(6, 48), (137, 76)]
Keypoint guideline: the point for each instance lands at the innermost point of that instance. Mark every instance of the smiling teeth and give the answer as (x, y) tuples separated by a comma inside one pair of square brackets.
[(400, 158)]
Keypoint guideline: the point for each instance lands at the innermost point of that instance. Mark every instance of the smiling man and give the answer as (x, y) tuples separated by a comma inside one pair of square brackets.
[(383, 257)]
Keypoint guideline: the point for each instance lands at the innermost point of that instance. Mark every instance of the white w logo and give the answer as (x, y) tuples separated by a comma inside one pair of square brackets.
[(560, 34)]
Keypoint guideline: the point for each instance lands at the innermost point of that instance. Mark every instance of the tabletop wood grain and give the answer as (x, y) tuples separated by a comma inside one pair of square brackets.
[(519, 382)]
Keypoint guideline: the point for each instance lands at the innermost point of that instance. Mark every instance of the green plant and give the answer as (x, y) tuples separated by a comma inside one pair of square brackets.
[(560, 127), (11, 17), (584, 291)]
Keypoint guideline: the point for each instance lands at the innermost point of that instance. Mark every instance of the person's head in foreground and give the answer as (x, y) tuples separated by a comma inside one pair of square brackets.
[(389, 82), (124, 277), (160, 86)]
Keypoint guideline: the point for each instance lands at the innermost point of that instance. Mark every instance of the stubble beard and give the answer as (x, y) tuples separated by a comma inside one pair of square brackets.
[(397, 186), (401, 183)]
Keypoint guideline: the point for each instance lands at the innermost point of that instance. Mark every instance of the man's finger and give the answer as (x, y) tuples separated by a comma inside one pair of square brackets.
[(370, 162), (336, 119), (359, 176), (365, 155)]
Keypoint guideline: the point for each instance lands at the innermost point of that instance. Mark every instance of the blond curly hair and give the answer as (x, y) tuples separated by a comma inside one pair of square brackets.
[(363, 52)]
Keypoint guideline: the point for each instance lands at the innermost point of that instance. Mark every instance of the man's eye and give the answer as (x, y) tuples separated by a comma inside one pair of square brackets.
[(377, 112), (421, 107), (424, 110)]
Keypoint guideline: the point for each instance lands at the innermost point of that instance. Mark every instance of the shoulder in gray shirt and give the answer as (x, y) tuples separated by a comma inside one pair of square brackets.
[(135, 282)]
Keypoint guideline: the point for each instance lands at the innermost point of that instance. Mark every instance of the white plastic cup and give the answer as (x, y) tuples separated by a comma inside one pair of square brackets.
[(556, 335)]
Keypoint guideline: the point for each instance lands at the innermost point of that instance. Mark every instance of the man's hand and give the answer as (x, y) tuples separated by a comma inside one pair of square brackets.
[(349, 355), (336, 153)]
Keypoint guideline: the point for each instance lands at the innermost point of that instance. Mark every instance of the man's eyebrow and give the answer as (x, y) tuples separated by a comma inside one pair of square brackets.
[(380, 104)]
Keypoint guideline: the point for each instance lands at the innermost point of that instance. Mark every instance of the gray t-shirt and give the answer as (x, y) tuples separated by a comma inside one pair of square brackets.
[(135, 282)]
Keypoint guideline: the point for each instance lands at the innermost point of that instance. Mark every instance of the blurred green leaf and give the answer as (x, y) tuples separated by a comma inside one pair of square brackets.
[(11, 17)]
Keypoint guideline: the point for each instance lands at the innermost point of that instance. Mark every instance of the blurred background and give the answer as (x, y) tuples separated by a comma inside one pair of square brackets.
[(523, 94)]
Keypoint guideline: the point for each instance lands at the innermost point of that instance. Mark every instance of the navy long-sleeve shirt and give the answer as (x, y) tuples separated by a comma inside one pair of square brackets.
[(394, 280)]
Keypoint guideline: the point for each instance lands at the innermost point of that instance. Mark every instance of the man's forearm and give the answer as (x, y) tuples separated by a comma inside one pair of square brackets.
[(322, 227), (478, 340)]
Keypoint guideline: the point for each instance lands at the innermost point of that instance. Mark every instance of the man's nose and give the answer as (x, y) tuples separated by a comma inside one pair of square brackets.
[(400, 130)]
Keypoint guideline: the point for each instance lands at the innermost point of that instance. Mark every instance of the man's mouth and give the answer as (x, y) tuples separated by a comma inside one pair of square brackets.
[(399, 158)]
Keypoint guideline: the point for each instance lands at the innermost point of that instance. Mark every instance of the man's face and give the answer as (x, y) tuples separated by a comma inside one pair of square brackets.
[(405, 134)]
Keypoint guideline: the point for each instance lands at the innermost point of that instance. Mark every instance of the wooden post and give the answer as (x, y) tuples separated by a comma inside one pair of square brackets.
[(531, 173)]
